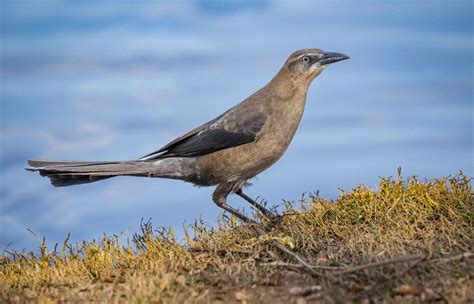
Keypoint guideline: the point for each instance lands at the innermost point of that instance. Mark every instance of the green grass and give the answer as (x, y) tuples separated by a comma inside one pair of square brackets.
[(431, 222)]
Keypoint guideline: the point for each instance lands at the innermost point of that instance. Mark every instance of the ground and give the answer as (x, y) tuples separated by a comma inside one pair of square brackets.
[(408, 241)]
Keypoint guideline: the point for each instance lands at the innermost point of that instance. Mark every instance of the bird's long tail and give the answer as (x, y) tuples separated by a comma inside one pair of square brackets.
[(68, 173)]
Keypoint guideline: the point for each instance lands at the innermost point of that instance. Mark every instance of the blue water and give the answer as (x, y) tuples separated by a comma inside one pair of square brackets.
[(116, 80)]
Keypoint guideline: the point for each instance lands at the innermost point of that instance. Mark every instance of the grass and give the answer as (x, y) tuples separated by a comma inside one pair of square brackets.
[(407, 241)]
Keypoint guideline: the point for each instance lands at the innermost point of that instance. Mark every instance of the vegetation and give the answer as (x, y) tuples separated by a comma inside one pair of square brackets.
[(407, 241)]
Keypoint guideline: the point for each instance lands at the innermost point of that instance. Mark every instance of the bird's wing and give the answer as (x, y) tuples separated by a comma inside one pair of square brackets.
[(236, 127)]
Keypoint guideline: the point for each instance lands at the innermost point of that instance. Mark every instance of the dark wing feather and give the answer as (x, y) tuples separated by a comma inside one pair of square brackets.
[(208, 141), (236, 127), (180, 139)]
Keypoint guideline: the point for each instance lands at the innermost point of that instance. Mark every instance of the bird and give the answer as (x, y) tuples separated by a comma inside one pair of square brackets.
[(225, 152)]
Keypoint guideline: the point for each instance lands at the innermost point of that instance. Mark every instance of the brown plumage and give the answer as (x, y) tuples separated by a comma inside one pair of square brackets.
[(226, 151)]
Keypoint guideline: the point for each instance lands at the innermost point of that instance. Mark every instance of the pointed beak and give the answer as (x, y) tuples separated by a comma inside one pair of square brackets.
[(330, 57)]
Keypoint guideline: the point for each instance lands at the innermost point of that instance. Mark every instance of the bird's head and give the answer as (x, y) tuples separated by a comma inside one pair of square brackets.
[(305, 65)]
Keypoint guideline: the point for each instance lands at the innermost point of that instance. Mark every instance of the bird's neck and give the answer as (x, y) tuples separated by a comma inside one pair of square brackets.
[(285, 86)]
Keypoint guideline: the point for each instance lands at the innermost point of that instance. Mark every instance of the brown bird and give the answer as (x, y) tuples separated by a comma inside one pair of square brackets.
[(226, 151)]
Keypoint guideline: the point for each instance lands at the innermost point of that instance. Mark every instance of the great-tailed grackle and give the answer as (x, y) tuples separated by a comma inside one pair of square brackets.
[(226, 151)]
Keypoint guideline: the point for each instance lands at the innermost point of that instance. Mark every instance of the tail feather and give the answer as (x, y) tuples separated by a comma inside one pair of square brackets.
[(71, 180), (50, 163), (68, 173)]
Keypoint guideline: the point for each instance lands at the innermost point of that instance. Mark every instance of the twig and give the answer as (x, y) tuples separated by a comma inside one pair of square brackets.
[(381, 263), (309, 268), (323, 267), (220, 251)]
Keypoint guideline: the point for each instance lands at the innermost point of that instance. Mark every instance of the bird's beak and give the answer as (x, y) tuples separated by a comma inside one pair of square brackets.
[(330, 57)]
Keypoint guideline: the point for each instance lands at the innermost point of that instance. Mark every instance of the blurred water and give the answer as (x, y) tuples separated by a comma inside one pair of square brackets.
[(101, 81)]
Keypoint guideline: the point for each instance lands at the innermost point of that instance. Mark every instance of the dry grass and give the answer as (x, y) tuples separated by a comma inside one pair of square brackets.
[(431, 222)]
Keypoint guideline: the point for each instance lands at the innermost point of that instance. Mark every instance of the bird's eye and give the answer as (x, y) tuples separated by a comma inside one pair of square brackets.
[(305, 58)]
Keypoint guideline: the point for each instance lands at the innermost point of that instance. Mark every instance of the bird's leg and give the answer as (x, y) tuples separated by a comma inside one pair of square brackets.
[(220, 199), (262, 209), (274, 218), (236, 213)]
